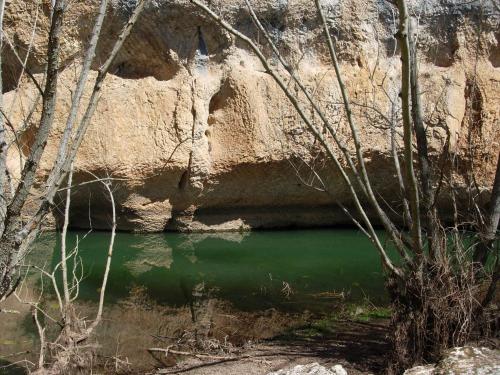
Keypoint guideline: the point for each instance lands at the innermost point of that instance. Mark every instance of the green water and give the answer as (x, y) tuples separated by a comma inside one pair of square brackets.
[(281, 279), (249, 270)]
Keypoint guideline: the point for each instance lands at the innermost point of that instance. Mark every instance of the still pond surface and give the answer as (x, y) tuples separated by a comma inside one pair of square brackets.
[(257, 270)]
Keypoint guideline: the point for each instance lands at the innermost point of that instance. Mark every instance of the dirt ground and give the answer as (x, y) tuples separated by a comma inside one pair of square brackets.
[(359, 347)]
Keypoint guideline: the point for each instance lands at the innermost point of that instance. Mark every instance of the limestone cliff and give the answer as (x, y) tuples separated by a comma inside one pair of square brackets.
[(199, 137)]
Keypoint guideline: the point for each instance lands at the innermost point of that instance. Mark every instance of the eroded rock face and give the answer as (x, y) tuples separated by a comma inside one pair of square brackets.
[(198, 135), (463, 361)]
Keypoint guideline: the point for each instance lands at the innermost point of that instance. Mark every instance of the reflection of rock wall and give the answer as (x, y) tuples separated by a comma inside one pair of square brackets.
[(205, 140), (154, 252)]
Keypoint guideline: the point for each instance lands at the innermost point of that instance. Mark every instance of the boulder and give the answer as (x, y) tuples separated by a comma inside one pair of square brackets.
[(465, 360)]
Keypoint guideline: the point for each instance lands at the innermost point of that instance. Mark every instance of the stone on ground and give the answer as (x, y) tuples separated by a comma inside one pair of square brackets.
[(463, 361), (311, 369)]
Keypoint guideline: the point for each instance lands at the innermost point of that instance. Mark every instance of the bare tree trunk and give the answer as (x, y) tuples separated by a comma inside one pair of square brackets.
[(397, 167), (47, 118), (64, 256), (77, 95), (362, 180), (389, 227), (411, 181), (494, 207), (17, 236), (3, 139), (428, 208), (102, 294), (67, 351), (10, 243), (488, 235), (77, 139), (489, 232)]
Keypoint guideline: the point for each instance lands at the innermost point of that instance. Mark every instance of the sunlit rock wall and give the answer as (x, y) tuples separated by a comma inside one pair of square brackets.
[(199, 137)]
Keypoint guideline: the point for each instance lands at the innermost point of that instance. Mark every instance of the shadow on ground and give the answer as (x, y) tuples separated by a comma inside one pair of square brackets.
[(359, 345)]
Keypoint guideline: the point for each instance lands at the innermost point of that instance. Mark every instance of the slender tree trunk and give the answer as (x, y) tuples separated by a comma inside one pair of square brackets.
[(77, 95), (428, 208), (17, 235), (10, 243), (389, 227), (3, 139), (489, 233), (64, 255), (411, 181), (47, 118)]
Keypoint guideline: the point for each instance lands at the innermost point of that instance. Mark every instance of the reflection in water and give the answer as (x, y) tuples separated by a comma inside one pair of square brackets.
[(204, 291), (286, 270), (154, 254)]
